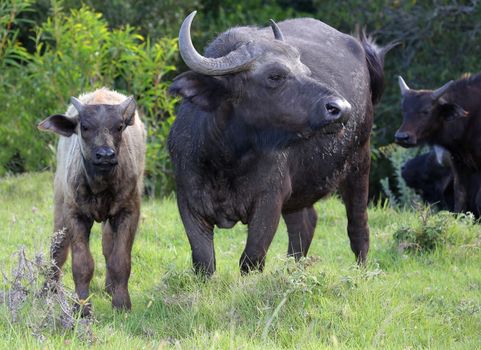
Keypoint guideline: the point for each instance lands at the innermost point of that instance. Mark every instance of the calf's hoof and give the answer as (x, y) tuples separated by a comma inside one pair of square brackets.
[(121, 301), (83, 308)]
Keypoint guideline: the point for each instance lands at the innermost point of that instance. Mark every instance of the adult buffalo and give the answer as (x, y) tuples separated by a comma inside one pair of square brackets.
[(450, 117), (271, 121)]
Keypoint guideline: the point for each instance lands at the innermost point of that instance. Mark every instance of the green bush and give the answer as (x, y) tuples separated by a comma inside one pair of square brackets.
[(77, 52), (435, 230), (439, 41), (395, 188)]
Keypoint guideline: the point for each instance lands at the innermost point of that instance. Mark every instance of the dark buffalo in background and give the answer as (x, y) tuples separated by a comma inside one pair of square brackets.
[(450, 117), (431, 177), (272, 120)]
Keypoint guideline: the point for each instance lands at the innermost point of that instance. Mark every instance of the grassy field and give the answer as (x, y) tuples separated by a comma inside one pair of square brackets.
[(400, 301)]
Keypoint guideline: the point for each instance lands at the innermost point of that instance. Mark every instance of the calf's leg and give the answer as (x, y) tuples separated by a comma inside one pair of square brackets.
[(107, 246), (117, 245), (60, 243), (300, 228), (82, 261)]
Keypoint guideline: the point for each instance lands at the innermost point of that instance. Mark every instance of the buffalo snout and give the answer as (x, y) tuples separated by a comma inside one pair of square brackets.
[(105, 156), (336, 109), (330, 111), (405, 139)]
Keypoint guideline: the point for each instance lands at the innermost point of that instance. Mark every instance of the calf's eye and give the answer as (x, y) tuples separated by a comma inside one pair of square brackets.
[(84, 127), (120, 127)]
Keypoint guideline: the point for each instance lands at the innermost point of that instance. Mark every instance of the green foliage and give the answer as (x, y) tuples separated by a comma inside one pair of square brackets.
[(433, 231), (399, 195), (11, 52), (77, 52), (155, 18), (439, 41)]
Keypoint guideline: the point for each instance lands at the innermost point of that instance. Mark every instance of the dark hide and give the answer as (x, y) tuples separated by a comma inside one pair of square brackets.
[(257, 145), (431, 180), (453, 121)]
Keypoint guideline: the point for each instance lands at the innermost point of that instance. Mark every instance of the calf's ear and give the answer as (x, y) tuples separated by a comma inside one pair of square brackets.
[(202, 90), (452, 111), (128, 110), (59, 124)]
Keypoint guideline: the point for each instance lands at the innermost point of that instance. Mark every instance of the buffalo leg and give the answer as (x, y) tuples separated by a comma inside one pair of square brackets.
[(261, 230), (201, 239), (355, 191), (300, 228), (118, 237), (82, 261), (461, 179), (107, 245), (60, 243)]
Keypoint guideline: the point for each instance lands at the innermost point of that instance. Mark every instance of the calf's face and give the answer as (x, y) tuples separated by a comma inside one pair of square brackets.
[(99, 128)]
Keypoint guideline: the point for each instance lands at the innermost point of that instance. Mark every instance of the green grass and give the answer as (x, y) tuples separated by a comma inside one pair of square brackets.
[(400, 301)]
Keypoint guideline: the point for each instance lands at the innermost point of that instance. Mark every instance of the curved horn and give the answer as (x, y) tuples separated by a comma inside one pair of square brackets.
[(402, 85), (235, 61), (436, 94), (277, 31), (79, 106)]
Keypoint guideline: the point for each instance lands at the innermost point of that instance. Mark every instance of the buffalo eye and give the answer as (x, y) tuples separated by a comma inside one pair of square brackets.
[(276, 79), (84, 127), (120, 127)]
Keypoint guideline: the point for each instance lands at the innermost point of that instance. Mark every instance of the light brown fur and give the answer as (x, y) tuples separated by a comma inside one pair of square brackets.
[(114, 200)]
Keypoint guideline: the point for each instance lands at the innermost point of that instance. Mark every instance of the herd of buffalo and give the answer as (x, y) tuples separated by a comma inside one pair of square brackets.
[(271, 120)]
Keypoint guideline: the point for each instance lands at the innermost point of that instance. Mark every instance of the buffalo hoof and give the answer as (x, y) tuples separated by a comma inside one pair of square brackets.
[(121, 301), (83, 308), (247, 264)]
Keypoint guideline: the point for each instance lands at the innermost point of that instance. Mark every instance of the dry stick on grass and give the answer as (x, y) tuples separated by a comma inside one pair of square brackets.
[(50, 304)]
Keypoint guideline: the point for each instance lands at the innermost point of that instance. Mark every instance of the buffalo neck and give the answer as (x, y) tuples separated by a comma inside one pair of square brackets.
[(453, 137), (227, 140)]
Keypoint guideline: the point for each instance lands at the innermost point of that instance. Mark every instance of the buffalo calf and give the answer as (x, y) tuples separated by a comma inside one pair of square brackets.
[(100, 165), (430, 176)]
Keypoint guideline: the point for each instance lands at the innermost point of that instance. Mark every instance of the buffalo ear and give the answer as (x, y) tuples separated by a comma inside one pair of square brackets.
[(452, 111), (59, 124), (128, 110), (202, 90)]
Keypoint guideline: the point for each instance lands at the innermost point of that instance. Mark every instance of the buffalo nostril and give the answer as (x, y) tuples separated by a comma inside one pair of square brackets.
[(333, 109), (105, 153), (401, 136), (336, 108)]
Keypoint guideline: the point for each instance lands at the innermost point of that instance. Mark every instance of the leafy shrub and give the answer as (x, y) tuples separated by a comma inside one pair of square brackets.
[(77, 52), (398, 193), (448, 30), (434, 230)]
